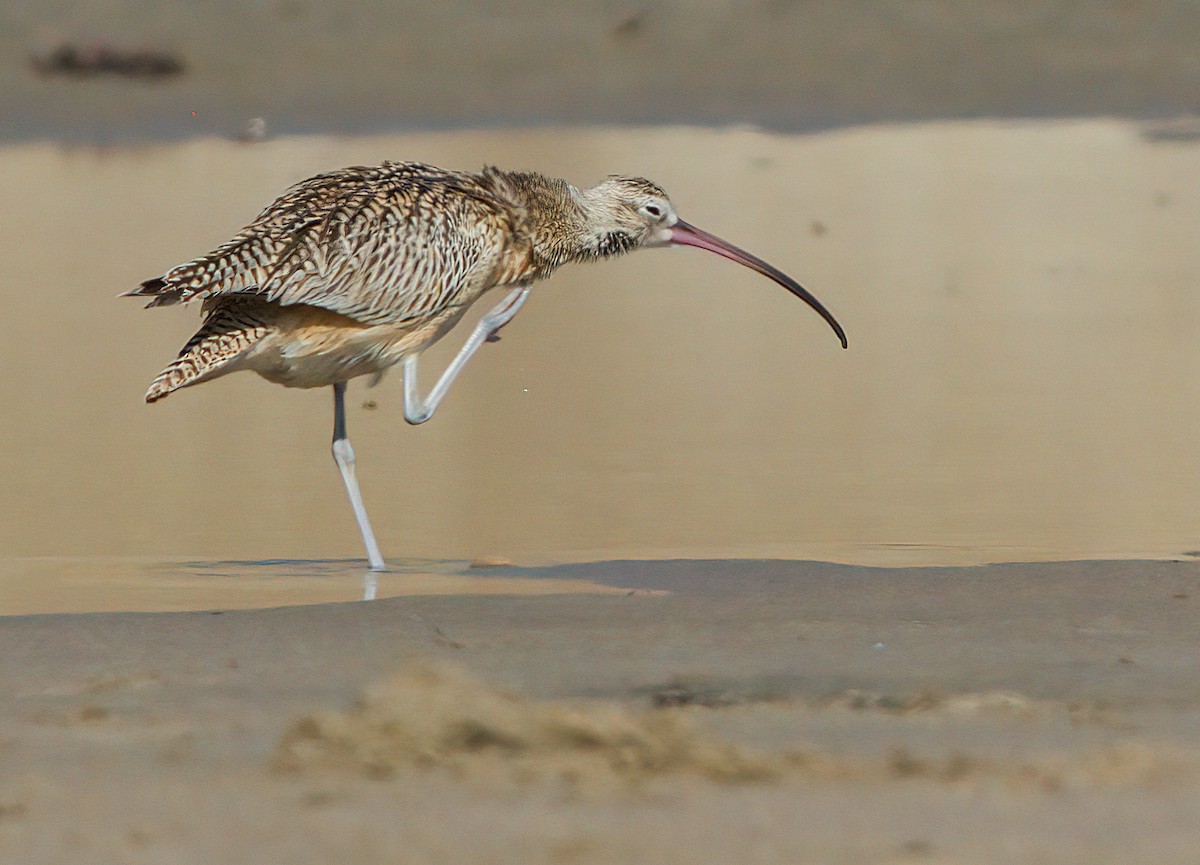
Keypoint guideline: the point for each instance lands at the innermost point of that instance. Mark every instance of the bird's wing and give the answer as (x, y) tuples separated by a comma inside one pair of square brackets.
[(382, 245)]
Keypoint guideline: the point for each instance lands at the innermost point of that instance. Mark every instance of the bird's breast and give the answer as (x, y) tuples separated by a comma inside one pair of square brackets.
[(311, 347)]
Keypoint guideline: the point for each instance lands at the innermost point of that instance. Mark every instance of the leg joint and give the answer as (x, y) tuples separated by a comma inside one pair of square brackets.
[(417, 416), (343, 453)]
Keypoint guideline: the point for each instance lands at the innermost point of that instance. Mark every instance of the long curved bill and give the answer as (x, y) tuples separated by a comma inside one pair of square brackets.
[(683, 234)]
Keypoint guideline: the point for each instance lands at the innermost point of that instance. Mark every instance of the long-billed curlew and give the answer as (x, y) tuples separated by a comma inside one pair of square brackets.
[(352, 272)]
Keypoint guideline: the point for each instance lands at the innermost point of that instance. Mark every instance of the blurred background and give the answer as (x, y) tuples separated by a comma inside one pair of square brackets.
[(999, 201), (787, 65)]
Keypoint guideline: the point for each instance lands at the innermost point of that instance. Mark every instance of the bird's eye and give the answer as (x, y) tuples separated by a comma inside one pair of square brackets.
[(653, 209)]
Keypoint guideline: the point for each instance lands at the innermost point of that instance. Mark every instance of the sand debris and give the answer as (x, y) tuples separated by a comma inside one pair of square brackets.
[(929, 700), (437, 717)]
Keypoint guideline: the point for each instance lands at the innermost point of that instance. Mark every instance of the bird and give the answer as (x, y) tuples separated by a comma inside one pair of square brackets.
[(356, 270)]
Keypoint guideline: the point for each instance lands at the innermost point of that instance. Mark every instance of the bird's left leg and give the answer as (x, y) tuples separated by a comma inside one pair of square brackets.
[(418, 410), (343, 455)]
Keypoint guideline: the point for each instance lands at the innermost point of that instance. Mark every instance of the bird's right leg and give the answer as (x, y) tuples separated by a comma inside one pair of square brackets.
[(343, 455), (418, 410)]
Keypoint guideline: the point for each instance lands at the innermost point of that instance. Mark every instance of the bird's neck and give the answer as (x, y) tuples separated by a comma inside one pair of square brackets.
[(558, 221)]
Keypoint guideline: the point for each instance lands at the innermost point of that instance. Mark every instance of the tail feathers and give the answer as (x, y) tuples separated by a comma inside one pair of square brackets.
[(148, 287), (160, 292), (229, 330)]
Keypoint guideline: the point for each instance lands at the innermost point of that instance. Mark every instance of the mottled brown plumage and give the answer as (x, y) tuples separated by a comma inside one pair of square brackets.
[(402, 247), (351, 272)]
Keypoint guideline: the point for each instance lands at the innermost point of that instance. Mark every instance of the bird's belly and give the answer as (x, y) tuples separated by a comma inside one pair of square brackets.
[(316, 350)]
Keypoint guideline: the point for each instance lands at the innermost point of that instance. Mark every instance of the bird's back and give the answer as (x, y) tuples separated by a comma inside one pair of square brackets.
[(345, 272), (382, 245)]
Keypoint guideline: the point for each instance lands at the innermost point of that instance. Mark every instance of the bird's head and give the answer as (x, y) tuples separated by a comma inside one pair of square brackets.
[(626, 213)]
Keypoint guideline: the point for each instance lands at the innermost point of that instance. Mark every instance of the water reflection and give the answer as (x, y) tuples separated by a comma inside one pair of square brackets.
[(292, 571)]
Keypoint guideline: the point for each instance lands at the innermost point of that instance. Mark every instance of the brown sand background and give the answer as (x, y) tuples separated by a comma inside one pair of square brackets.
[(671, 451)]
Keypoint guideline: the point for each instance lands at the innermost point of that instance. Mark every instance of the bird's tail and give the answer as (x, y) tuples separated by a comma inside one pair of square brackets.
[(160, 292), (232, 327)]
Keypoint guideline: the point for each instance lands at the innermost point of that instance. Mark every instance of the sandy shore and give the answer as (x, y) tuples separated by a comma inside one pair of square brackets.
[(1022, 384), (756, 712)]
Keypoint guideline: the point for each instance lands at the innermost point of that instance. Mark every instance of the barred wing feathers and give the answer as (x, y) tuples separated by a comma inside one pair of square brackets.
[(381, 245)]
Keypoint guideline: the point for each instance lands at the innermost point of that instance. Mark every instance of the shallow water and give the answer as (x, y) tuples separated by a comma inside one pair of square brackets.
[(1021, 382)]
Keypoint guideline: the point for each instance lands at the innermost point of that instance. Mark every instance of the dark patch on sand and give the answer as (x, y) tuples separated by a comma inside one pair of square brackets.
[(98, 59)]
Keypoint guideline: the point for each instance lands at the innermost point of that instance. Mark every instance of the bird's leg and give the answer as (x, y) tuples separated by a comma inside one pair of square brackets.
[(343, 455), (418, 410)]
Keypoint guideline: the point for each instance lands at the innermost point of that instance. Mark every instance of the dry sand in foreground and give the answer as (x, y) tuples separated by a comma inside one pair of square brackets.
[(772, 712)]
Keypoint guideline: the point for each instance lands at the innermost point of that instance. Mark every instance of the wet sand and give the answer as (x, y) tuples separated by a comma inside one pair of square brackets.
[(761, 712), (1021, 385)]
